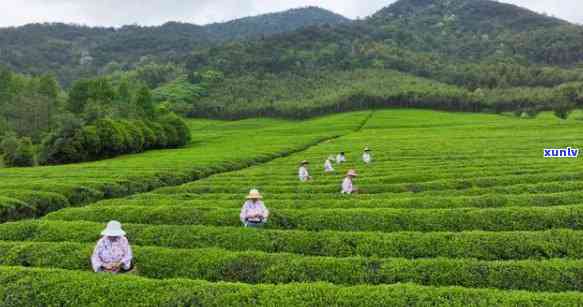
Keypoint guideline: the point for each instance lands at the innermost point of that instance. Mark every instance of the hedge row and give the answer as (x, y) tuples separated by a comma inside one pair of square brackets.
[(478, 245), (13, 209), (15, 205), (386, 220), (258, 267), (406, 190), (42, 287), (485, 201), (392, 173), (454, 184), (82, 190), (109, 138)]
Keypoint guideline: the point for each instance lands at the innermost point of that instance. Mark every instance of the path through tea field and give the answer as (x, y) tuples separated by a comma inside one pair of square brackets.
[(458, 209)]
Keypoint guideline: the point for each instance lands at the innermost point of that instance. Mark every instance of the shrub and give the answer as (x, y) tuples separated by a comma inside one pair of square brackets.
[(20, 286), (160, 132), (150, 138), (262, 268), (111, 136), (9, 147), (476, 244), (24, 155), (182, 133), (134, 137), (62, 149), (90, 141), (386, 220)]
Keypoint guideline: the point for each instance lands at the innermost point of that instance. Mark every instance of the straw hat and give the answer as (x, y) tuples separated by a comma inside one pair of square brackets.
[(367, 148), (305, 162), (113, 229), (254, 194), (352, 173)]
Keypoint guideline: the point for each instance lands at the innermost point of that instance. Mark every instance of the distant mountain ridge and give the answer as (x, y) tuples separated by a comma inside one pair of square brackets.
[(429, 38), (73, 50)]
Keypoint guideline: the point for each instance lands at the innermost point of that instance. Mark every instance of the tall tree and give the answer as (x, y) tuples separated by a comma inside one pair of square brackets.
[(144, 102), (49, 87), (78, 96)]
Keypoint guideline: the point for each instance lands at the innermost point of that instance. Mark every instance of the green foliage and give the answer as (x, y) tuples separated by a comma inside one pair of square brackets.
[(78, 96), (449, 199), (23, 286), (180, 91), (410, 245), (563, 109), (179, 134), (261, 268), (54, 47), (17, 152), (144, 103), (8, 147), (88, 182), (24, 154)]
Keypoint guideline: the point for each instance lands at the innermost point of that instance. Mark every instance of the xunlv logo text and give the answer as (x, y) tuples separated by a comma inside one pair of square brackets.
[(561, 153)]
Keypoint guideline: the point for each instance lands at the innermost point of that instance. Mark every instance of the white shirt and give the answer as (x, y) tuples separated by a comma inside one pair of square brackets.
[(328, 166), (303, 174), (366, 157), (340, 159), (347, 186)]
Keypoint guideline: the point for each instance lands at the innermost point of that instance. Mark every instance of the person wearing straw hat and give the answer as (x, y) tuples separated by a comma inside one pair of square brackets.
[(347, 184), (254, 213), (328, 168), (303, 172), (341, 158), (113, 253), (366, 156)]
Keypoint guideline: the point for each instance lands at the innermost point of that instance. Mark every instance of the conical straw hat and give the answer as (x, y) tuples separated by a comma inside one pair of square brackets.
[(352, 173)]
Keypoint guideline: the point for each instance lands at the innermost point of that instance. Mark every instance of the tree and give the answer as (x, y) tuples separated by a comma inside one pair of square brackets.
[(101, 90), (24, 155), (563, 109), (9, 146), (49, 87), (144, 102), (78, 96)]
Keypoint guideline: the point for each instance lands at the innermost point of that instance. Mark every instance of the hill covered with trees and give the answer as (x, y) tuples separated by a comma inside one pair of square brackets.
[(458, 55), (74, 51)]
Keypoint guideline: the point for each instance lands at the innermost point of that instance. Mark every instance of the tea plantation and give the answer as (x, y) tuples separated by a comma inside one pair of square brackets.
[(456, 209), (216, 147)]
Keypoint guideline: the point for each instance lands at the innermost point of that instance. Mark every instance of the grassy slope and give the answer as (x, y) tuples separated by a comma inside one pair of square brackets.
[(479, 177), (216, 147)]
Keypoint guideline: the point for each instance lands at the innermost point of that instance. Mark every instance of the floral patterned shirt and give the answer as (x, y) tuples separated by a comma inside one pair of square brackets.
[(108, 251)]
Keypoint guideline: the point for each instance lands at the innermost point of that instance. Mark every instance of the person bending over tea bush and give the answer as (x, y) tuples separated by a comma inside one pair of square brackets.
[(347, 184), (303, 172), (254, 213), (113, 253)]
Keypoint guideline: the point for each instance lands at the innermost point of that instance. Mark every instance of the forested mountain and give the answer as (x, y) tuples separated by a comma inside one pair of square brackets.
[(471, 43), (73, 51), (479, 29)]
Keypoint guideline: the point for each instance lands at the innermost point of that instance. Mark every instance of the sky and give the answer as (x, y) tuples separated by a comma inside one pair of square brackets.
[(156, 12)]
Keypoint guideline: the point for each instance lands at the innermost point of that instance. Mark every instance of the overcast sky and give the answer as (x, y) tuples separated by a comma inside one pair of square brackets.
[(155, 12)]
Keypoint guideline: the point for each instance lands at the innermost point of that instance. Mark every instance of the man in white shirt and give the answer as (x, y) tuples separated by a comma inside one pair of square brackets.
[(347, 184), (341, 158), (366, 156), (303, 172)]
